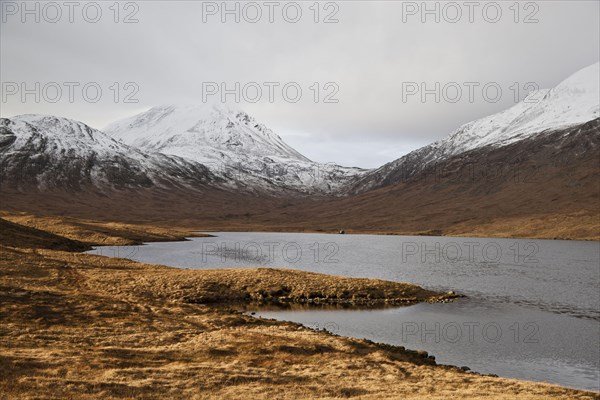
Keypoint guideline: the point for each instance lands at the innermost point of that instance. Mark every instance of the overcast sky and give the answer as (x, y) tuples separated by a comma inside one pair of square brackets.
[(371, 61)]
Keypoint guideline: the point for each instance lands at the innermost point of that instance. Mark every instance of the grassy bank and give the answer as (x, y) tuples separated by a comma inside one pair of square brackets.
[(82, 326)]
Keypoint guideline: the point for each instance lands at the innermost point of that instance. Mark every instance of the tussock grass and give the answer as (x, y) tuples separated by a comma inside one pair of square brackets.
[(80, 326)]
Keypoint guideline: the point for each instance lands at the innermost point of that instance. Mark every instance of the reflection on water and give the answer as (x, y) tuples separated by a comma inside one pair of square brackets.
[(497, 339), (533, 310)]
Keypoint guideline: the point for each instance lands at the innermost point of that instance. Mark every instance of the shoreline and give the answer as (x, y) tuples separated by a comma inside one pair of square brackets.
[(275, 229), (131, 303), (564, 227), (415, 234)]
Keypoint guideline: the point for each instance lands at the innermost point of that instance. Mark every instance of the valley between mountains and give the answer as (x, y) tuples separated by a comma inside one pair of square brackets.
[(529, 171)]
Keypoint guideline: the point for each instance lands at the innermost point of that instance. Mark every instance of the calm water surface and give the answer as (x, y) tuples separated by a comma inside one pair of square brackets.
[(533, 307)]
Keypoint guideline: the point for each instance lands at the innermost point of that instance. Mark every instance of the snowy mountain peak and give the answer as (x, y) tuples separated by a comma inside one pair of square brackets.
[(574, 101), (65, 134), (578, 96), (232, 144), (205, 133), (54, 152), (585, 80)]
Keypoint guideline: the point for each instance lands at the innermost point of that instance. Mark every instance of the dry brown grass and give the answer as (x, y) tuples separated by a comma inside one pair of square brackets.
[(581, 225), (97, 233), (79, 326), (257, 285)]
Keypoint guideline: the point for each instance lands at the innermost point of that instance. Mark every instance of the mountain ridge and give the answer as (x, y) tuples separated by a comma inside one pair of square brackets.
[(48, 151), (541, 112), (60, 166)]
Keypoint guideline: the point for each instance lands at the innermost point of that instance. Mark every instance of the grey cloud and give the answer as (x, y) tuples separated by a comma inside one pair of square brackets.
[(368, 54)]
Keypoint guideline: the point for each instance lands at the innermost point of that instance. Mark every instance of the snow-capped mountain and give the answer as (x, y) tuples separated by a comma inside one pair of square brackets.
[(51, 152), (232, 144), (196, 146), (215, 131), (573, 102)]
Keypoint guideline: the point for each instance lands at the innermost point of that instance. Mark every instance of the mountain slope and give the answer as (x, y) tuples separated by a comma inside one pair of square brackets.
[(48, 152), (531, 171), (573, 102), (543, 187), (232, 144)]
